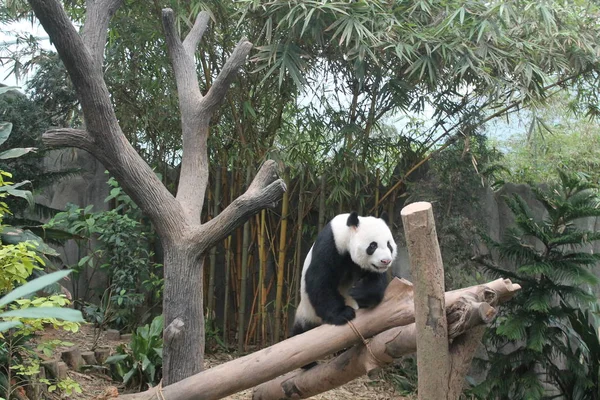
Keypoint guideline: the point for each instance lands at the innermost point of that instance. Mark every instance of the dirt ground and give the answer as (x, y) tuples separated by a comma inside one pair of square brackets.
[(97, 385)]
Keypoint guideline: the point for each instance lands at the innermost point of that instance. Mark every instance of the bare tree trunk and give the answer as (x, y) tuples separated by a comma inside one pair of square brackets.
[(433, 361), (182, 305), (176, 219)]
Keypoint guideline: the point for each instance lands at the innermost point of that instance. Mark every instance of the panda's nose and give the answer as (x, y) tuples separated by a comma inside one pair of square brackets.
[(385, 261)]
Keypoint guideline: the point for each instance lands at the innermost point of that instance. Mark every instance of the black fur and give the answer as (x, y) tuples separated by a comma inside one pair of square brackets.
[(369, 290), (353, 219), (384, 216)]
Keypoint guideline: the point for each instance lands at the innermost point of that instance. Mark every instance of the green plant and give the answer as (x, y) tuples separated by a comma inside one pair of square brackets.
[(116, 242), (18, 360), (533, 334), (139, 363), (579, 379), (403, 375)]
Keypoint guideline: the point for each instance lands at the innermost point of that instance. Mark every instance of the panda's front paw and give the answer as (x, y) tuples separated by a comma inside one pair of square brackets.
[(340, 318)]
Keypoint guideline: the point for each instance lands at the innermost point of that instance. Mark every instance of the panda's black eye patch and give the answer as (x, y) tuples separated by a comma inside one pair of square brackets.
[(371, 249), (390, 247)]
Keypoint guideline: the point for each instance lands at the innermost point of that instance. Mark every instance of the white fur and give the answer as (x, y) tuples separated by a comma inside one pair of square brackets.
[(355, 240), (305, 310)]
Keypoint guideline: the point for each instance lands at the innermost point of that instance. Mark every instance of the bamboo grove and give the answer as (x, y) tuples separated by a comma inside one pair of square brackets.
[(252, 279)]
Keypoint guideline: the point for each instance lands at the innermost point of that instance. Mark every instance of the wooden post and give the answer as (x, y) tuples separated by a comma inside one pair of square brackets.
[(433, 354)]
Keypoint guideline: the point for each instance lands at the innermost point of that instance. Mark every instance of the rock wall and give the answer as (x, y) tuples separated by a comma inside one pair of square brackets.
[(83, 189)]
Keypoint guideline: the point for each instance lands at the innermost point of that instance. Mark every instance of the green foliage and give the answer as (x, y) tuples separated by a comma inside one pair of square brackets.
[(403, 375), (553, 136), (540, 328), (19, 362), (455, 182), (117, 242), (140, 362)]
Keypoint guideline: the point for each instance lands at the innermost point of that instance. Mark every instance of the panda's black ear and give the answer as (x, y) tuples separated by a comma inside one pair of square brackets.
[(385, 217), (352, 219)]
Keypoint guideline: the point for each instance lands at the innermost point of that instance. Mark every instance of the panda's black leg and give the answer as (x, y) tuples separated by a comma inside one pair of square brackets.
[(331, 307), (369, 290)]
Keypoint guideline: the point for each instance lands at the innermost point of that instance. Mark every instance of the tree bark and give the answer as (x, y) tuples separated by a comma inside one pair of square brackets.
[(395, 310), (433, 355), (183, 335)]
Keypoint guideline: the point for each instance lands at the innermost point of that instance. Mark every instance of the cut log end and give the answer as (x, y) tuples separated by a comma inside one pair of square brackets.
[(413, 208)]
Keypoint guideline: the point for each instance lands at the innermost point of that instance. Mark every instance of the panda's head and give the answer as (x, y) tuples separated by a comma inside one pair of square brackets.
[(371, 244)]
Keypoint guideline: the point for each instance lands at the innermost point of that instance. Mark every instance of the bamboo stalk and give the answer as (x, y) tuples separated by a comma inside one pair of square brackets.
[(262, 254), (226, 300), (377, 183), (243, 279), (281, 260), (298, 261), (322, 203), (213, 251)]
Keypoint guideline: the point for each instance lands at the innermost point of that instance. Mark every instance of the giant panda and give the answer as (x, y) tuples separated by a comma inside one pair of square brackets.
[(349, 251)]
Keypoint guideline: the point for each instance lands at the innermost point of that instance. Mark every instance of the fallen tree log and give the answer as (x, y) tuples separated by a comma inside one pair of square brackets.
[(395, 310), (470, 310)]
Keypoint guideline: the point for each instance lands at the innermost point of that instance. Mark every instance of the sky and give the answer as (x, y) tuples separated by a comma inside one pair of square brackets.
[(9, 34)]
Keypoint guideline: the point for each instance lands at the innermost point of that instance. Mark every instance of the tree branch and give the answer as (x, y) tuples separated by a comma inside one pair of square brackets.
[(395, 310), (183, 63), (67, 137), (103, 130), (95, 28), (264, 191), (195, 35), (216, 93)]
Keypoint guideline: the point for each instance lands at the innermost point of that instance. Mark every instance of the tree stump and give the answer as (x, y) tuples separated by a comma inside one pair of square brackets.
[(112, 334), (89, 357), (73, 358), (101, 354)]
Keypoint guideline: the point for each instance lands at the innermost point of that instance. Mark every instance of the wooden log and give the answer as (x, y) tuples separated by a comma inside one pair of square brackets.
[(73, 358), (89, 358), (62, 371), (467, 312), (126, 337), (112, 334), (229, 378), (51, 368), (395, 310), (101, 354), (427, 268)]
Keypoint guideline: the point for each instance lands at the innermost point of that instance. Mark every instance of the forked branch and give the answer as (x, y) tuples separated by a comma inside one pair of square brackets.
[(216, 94), (95, 29), (265, 191), (182, 59)]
